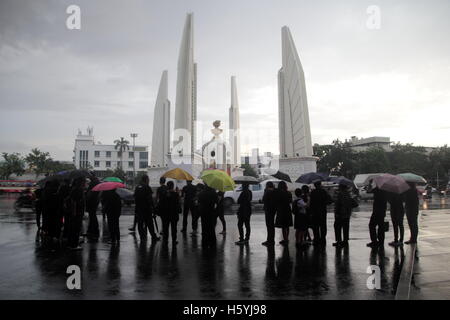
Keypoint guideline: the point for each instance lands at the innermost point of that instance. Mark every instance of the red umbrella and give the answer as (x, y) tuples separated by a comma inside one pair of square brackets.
[(391, 183), (105, 186)]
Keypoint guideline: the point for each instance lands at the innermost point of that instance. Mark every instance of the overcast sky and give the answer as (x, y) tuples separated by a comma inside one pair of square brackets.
[(392, 81)]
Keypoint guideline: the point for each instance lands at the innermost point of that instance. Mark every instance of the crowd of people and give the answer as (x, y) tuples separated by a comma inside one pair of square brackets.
[(61, 206)]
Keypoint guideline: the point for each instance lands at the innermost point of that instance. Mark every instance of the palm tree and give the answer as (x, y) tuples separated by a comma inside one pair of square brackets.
[(122, 145)]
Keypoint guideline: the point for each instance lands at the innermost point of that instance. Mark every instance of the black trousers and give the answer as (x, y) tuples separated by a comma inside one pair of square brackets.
[(93, 229), (113, 226), (244, 219), (320, 227), (411, 216), (270, 225), (74, 229), (208, 222), (341, 229), (190, 207), (144, 223), (397, 225), (170, 223), (376, 227)]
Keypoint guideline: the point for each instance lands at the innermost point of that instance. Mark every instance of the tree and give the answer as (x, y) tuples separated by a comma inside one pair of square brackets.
[(121, 145), (249, 171), (337, 158), (408, 158), (13, 164), (119, 173), (57, 166), (38, 161), (439, 166), (373, 160)]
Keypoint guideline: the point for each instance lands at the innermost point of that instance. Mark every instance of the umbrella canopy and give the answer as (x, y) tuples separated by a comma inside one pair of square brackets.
[(246, 179), (106, 186), (178, 174), (63, 175), (112, 179), (218, 179), (125, 194), (281, 176), (342, 180), (411, 177), (310, 177), (391, 183)]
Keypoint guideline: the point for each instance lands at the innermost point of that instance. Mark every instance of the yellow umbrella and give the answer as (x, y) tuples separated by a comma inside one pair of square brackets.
[(178, 174), (218, 179)]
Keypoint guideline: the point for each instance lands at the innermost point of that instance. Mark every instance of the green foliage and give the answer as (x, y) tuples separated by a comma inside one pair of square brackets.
[(57, 166), (119, 173), (249, 171), (38, 161), (12, 163)]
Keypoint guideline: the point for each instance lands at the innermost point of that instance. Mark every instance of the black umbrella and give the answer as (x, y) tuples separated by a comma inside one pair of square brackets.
[(282, 176), (342, 180), (66, 175), (311, 177)]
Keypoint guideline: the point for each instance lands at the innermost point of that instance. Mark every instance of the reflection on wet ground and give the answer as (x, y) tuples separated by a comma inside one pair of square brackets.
[(136, 270)]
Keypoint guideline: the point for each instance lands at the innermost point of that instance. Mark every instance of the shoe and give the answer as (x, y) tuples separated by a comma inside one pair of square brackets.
[(75, 248), (337, 244), (240, 242), (410, 242), (284, 242), (393, 244), (155, 238), (132, 229), (268, 243), (372, 245)]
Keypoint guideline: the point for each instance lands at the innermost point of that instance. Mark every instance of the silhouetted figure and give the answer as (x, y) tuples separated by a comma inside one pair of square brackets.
[(188, 193), (92, 201), (220, 211), (284, 211), (161, 200), (342, 214), (38, 207), (113, 208), (307, 198), (376, 223), (300, 218), (244, 213), (64, 205), (207, 202), (50, 213), (318, 204), (397, 216), (412, 212), (171, 215), (270, 210), (143, 197), (76, 212)]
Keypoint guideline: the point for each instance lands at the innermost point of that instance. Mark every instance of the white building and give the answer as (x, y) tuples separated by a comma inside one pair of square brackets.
[(363, 144), (92, 155)]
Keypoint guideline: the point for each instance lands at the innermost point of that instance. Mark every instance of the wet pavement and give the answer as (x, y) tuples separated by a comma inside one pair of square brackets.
[(144, 271)]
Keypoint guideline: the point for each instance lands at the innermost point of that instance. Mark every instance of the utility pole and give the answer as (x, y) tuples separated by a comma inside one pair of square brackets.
[(134, 136)]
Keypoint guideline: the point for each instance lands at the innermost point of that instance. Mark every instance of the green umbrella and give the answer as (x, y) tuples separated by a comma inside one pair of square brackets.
[(411, 177), (218, 179), (112, 179)]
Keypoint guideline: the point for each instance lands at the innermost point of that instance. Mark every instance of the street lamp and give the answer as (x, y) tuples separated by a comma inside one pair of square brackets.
[(134, 136)]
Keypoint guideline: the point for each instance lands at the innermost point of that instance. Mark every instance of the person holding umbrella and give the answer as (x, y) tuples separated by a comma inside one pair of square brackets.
[(92, 201), (207, 202), (76, 211), (244, 213), (397, 216), (143, 197), (319, 199), (171, 215), (376, 223), (270, 209), (412, 211), (342, 213), (188, 193)]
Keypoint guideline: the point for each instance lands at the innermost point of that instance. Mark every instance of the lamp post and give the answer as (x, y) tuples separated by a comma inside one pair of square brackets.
[(134, 136)]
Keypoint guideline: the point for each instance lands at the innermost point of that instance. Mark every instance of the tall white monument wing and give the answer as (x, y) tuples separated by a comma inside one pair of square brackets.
[(234, 138), (295, 132), (186, 95), (161, 125)]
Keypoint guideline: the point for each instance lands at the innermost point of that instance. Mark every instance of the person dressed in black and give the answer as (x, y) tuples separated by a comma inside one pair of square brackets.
[(318, 204), (207, 202), (376, 223), (38, 193), (244, 212), (76, 212), (300, 218), (220, 211), (171, 214), (397, 216), (161, 200), (51, 214), (342, 213), (92, 201), (113, 208), (143, 197), (188, 193), (412, 212), (284, 211), (64, 205), (306, 198), (270, 209)]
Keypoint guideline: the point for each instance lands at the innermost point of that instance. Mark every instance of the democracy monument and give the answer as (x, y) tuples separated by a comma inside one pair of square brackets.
[(296, 154)]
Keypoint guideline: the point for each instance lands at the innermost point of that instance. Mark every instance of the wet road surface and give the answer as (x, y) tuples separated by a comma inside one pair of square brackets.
[(137, 270)]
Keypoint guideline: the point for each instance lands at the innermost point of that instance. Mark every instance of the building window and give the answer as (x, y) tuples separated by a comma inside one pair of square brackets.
[(84, 163), (131, 155), (108, 164), (143, 155), (97, 164), (108, 155), (97, 154), (130, 164), (143, 165)]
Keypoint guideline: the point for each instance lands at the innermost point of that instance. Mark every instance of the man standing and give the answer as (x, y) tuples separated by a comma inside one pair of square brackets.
[(207, 202), (376, 224), (244, 213), (143, 197), (92, 201), (188, 193), (342, 213), (170, 216), (161, 200), (412, 212), (319, 200)]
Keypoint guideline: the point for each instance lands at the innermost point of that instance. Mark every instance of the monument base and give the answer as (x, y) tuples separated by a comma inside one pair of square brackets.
[(295, 167)]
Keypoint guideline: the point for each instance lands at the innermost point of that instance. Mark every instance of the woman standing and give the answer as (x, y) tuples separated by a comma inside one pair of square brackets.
[(284, 211)]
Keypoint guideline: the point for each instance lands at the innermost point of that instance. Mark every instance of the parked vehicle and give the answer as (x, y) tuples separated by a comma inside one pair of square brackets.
[(231, 197), (25, 200), (361, 181)]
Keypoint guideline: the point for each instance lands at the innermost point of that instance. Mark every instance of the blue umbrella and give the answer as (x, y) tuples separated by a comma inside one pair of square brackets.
[(311, 177), (341, 180)]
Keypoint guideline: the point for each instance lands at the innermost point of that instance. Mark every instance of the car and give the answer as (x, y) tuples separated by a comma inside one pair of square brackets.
[(231, 197), (361, 181)]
